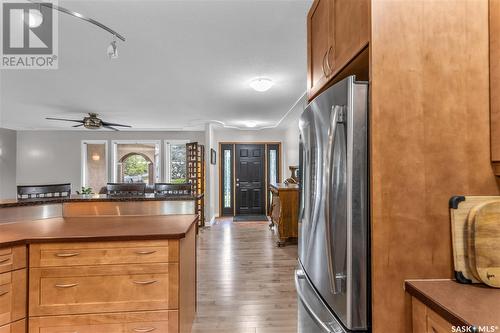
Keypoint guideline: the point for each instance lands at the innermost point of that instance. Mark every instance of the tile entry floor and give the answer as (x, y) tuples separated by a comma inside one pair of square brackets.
[(245, 282)]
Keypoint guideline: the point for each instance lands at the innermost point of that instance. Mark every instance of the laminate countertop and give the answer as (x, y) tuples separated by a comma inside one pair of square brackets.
[(96, 198), (99, 228), (460, 304)]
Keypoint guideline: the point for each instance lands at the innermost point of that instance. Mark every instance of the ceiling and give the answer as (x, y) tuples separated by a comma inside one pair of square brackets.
[(184, 64)]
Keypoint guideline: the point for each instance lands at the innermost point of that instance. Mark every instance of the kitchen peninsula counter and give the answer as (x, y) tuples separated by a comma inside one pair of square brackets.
[(98, 228), (98, 274)]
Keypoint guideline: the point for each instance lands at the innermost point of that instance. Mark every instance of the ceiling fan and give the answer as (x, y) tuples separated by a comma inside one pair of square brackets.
[(92, 122)]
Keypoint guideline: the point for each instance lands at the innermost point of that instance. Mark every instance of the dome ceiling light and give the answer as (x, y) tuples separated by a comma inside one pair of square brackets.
[(261, 84)]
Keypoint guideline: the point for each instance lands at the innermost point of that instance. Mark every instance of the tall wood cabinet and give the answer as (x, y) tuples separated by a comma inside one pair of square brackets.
[(429, 128), (337, 31)]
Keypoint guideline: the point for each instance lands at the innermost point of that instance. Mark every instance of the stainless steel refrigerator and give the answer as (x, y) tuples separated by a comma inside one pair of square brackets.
[(332, 277)]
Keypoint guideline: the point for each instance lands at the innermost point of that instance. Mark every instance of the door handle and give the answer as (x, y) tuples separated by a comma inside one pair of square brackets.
[(328, 60), (336, 116)]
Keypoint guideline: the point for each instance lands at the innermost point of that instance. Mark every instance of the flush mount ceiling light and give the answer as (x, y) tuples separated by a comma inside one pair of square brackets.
[(261, 84), (36, 19), (251, 123)]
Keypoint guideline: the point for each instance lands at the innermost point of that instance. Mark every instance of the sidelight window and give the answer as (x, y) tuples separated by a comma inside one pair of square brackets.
[(227, 178)]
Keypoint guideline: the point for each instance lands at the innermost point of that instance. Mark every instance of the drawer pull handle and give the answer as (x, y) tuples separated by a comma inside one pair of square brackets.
[(3, 293), (69, 285), (67, 255), (145, 329), (146, 252), (4, 260), (146, 282)]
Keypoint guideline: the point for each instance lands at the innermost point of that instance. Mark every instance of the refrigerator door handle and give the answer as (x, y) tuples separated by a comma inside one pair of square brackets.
[(337, 115), (300, 275)]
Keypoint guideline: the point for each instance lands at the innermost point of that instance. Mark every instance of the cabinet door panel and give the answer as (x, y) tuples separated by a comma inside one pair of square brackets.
[(351, 20), (318, 40)]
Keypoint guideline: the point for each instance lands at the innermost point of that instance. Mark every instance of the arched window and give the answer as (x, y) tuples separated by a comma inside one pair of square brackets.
[(136, 168)]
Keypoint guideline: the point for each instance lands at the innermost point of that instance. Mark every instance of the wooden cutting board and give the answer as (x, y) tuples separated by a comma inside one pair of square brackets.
[(460, 207), (486, 243)]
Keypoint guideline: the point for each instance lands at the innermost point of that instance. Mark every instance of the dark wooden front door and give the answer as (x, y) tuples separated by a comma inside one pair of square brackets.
[(250, 179)]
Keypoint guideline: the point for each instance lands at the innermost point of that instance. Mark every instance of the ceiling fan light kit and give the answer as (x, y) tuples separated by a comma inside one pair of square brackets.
[(93, 122)]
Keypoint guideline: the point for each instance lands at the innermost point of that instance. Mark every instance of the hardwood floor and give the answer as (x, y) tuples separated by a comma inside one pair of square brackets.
[(245, 283)]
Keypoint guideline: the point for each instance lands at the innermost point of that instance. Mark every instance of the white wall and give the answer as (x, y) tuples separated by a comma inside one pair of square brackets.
[(7, 163), (45, 157)]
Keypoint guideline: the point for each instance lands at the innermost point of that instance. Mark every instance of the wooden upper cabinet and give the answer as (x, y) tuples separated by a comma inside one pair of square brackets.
[(351, 30), (337, 30), (318, 44)]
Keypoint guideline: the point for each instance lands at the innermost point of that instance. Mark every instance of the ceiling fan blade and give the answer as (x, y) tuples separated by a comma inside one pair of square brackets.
[(111, 128), (79, 125), (105, 123), (61, 119)]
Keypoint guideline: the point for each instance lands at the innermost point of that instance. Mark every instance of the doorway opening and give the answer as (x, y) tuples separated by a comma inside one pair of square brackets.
[(246, 169)]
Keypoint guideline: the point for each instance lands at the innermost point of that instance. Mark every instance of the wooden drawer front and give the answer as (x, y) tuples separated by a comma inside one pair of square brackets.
[(106, 253), (12, 258), (130, 322), (95, 289), (17, 327), (12, 296)]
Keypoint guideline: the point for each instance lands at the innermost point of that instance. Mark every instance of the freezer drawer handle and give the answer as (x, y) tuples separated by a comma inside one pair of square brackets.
[(300, 275)]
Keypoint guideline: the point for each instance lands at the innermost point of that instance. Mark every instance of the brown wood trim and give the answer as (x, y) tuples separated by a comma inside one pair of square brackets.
[(434, 306)]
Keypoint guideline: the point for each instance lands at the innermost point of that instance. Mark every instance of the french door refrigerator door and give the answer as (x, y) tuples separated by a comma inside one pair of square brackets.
[(333, 225)]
